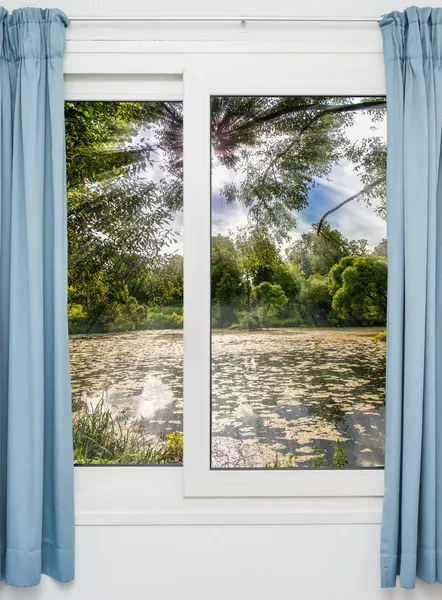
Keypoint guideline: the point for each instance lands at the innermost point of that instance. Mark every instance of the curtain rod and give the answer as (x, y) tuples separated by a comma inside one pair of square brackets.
[(236, 19)]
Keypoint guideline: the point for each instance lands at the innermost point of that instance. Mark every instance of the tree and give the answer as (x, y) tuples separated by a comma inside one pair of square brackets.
[(97, 135), (163, 283), (289, 277), (228, 288), (381, 249), (259, 257), (281, 146), (315, 300), (118, 220), (358, 286), (270, 300), (317, 254)]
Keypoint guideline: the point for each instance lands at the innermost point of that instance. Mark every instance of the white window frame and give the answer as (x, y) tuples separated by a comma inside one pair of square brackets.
[(107, 62), (338, 75)]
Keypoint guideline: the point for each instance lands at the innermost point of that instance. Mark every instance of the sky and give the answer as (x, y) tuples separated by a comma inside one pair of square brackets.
[(354, 220)]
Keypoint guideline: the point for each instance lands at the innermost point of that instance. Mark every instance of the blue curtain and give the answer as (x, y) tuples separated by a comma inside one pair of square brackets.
[(36, 464), (411, 544)]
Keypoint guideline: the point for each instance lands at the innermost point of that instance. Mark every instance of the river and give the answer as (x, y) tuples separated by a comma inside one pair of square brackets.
[(275, 393)]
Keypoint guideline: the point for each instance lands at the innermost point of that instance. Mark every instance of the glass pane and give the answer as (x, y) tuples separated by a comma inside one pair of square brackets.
[(299, 282), (125, 296)]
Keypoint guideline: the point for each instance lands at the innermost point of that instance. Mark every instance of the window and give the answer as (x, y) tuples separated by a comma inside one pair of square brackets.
[(125, 295), (328, 66), (284, 349), (298, 281)]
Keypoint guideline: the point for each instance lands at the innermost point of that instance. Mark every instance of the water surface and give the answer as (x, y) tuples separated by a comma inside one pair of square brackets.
[(275, 393)]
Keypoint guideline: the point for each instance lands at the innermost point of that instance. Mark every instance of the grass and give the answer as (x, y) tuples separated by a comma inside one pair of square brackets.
[(289, 461), (101, 438)]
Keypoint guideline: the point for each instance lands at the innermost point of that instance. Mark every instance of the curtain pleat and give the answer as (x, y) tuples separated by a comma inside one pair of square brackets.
[(36, 464), (412, 517)]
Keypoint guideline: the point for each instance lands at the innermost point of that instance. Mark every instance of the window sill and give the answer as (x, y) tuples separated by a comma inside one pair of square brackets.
[(144, 496)]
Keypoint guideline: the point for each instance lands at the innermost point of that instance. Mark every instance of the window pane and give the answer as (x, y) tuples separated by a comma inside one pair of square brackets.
[(125, 296), (299, 282)]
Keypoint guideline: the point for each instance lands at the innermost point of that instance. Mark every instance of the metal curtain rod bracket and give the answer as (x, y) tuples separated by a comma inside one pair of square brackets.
[(241, 20)]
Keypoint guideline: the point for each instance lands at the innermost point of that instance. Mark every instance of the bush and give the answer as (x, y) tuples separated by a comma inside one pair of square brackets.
[(123, 317), (77, 319), (250, 321), (175, 446), (381, 336), (164, 318)]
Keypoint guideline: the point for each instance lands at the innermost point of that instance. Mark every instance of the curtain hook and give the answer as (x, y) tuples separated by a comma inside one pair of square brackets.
[(243, 26)]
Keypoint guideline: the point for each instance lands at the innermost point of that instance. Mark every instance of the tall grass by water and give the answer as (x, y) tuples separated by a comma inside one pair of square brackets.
[(102, 438)]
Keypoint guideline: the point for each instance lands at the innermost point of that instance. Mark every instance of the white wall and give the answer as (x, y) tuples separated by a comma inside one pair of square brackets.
[(220, 562), (338, 8), (309, 562)]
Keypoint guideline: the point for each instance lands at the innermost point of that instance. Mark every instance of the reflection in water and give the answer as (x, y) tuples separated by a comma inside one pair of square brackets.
[(274, 392), (283, 390), (140, 373)]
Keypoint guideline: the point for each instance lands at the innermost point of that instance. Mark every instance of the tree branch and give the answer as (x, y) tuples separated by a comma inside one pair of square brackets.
[(332, 210), (326, 110), (323, 108)]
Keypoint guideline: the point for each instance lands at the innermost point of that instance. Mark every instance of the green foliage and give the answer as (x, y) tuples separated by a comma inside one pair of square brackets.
[(101, 438), (259, 255), (339, 457), (228, 289), (319, 459), (162, 284), (381, 249), (270, 300), (96, 139), (118, 220), (286, 297), (77, 319), (287, 143), (175, 446), (381, 336), (316, 254), (370, 159), (250, 321), (121, 279), (358, 286), (315, 300), (290, 278), (285, 462)]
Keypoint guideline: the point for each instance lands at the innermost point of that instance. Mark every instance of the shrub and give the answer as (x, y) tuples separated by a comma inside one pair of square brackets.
[(77, 319), (175, 446), (381, 336), (250, 321), (164, 318)]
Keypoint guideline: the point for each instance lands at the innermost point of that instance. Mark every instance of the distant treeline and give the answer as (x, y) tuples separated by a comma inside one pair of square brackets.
[(319, 280), (323, 280)]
